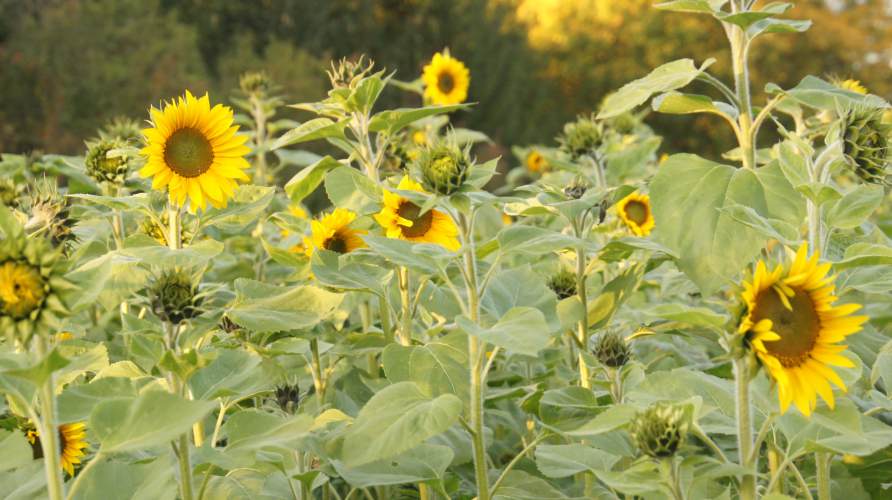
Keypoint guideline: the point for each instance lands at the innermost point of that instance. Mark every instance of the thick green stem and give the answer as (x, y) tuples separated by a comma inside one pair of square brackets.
[(318, 381), (259, 140), (384, 313), (822, 466), (174, 229), (49, 433), (744, 429), (182, 450), (739, 55), (669, 473), (582, 325), (405, 333), (365, 317)]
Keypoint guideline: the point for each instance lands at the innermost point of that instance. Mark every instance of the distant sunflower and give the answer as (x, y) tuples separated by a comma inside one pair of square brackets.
[(333, 232), (794, 329), (194, 151), (446, 80), (536, 163), (401, 218), (853, 85), (72, 441), (635, 212)]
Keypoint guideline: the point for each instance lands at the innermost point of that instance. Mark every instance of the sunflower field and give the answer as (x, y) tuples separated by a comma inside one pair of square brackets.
[(400, 320)]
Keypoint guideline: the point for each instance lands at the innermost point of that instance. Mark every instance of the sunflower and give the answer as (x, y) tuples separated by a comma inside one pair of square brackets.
[(332, 232), (794, 329), (403, 219), (852, 85), (446, 80), (194, 151), (72, 441), (635, 211), (536, 163)]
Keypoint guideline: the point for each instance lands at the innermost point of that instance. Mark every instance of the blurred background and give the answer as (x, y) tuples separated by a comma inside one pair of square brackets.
[(67, 66)]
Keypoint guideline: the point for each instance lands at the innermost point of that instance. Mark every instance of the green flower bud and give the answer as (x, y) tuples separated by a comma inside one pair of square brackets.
[(347, 73), (867, 144), (103, 167), (123, 129), (10, 192), (582, 137), (444, 167), (563, 284), (611, 349), (576, 189), (159, 232), (660, 430), (254, 82), (173, 296), (625, 123), (50, 214), (288, 397)]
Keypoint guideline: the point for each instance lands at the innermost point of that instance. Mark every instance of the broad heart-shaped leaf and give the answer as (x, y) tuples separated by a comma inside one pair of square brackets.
[(519, 485), (77, 401), (129, 481), (865, 254), (854, 207), (266, 308), (347, 272), (107, 280), (317, 128), (347, 188), (816, 93), (151, 253), (24, 483), (533, 240), (424, 462), (250, 431), (396, 419), (16, 450), (234, 375), (843, 430), (689, 194), (246, 205), (307, 179), (424, 257), (394, 120), (564, 460), (521, 330), (437, 367), (153, 418), (769, 228), (669, 76), (520, 287)]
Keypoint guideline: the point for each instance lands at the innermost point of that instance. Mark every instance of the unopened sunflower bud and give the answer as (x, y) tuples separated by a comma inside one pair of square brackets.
[(660, 430), (105, 167), (173, 296), (50, 214), (124, 129), (227, 325), (867, 144), (576, 190), (10, 192), (624, 123), (348, 73), (444, 167), (563, 284), (288, 397), (612, 350), (254, 82), (582, 137)]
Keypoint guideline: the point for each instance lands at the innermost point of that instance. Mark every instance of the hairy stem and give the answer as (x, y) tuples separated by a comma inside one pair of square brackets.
[(405, 332), (822, 467), (744, 429), (49, 433)]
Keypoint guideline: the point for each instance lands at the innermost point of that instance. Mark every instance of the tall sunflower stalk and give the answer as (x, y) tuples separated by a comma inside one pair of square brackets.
[(49, 435)]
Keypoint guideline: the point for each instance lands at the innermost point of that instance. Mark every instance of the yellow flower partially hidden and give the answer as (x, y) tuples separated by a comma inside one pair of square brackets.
[(446, 80), (635, 212), (194, 151), (853, 85), (333, 233), (536, 163), (21, 289), (72, 441), (794, 329), (401, 218)]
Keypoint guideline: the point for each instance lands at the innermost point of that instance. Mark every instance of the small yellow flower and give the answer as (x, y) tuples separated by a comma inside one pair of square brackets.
[(663, 158), (853, 85), (63, 336), (419, 137), (635, 212), (72, 441), (794, 329), (536, 163), (193, 151), (333, 232), (401, 218), (446, 80)]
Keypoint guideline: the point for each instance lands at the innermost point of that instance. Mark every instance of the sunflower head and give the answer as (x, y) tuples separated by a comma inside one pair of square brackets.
[(254, 83), (563, 283), (444, 167), (634, 210), (32, 284), (333, 232), (72, 442), (50, 214), (193, 151), (347, 73), (612, 350), (624, 123), (849, 84), (122, 128), (792, 326), (660, 430), (446, 80), (535, 162), (867, 144), (10, 192), (174, 296), (150, 227), (288, 397), (582, 137), (402, 218), (104, 163)]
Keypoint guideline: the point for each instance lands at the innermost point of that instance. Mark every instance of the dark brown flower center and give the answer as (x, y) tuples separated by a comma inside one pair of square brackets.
[(188, 152), (337, 243), (636, 211), (798, 327), (421, 223), (445, 82)]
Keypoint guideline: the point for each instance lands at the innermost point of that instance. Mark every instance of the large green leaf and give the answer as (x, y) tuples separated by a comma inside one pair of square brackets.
[(854, 207), (424, 462), (669, 76), (690, 195), (244, 208), (76, 403), (315, 129), (394, 120), (234, 375), (346, 272), (564, 460), (521, 330), (16, 450), (436, 367), (266, 308), (250, 431), (149, 420), (396, 419), (308, 178), (129, 481)]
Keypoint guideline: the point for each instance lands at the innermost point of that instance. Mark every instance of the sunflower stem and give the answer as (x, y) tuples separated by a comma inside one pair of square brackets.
[(182, 451), (318, 381), (744, 429), (822, 467), (174, 229), (365, 316), (49, 434), (405, 333), (739, 58), (259, 139), (582, 325)]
